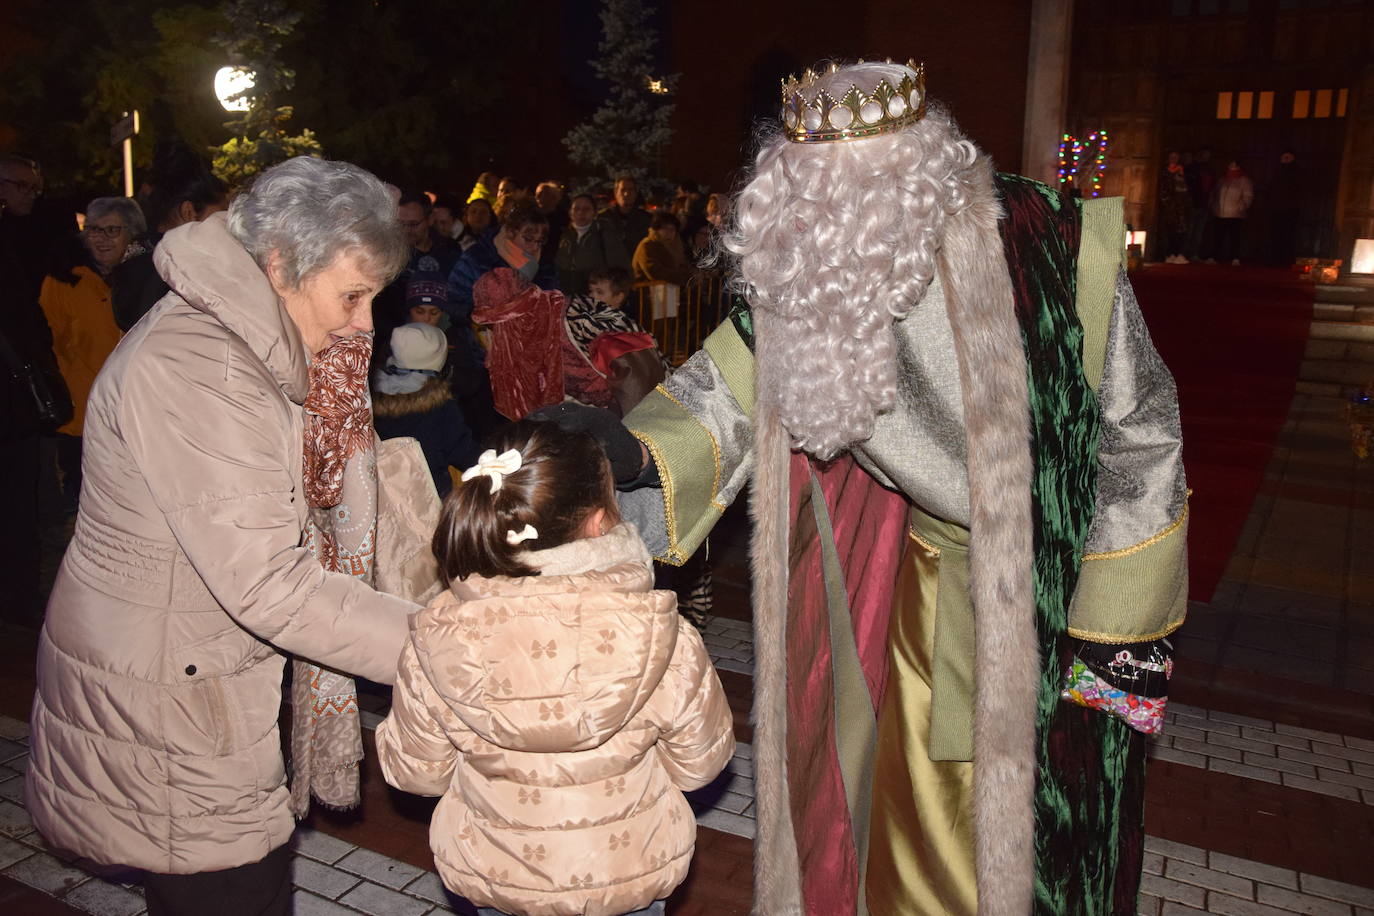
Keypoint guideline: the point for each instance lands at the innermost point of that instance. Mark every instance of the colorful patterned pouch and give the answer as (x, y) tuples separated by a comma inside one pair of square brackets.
[(1129, 682)]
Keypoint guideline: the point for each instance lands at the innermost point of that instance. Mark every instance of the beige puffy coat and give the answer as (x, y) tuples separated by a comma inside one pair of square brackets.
[(560, 716), (155, 738)]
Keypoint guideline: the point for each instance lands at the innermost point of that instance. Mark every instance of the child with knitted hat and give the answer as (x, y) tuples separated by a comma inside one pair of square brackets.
[(427, 299)]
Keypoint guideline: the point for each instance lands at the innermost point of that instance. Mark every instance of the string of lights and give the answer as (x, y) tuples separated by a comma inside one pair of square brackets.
[(1082, 163)]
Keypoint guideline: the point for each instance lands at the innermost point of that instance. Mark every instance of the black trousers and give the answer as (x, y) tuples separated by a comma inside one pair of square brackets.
[(19, 536), (260, 888), (1229, 230)]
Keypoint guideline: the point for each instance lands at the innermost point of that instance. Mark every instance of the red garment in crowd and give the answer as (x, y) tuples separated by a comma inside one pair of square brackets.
[(526, 356)]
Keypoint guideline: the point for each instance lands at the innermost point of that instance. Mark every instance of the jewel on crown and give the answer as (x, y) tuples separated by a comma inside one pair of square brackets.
[(854, 115)]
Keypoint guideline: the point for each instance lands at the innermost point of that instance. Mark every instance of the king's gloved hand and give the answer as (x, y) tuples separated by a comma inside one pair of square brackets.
[(627, 456)]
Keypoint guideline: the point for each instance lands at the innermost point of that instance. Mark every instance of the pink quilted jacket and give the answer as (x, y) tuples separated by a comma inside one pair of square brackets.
[(560, 716)]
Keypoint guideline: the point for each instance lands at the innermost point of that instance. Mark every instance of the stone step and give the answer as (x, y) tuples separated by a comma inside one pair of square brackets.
[(1320, 389), (1361, 293), (1342, 330), (1342, 311), (1340, 349), (1336, 372)]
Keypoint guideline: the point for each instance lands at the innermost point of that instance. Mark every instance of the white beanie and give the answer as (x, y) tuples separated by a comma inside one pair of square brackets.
[(419, 346)]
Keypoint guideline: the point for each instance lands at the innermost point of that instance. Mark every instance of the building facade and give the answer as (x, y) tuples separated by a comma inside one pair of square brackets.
[(1249, 79)]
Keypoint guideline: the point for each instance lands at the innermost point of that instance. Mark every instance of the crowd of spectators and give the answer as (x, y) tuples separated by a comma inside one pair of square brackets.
[(532, 291)]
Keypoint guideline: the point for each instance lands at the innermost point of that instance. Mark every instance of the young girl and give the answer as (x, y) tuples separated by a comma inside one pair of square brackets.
[(558, 704)]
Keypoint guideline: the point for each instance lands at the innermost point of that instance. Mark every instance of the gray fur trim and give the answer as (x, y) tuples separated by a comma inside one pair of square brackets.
[(987, 339), (777, 873), (434, 393)]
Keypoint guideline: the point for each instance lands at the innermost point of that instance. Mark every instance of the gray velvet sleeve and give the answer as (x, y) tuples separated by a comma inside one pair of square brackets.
[(701, 439), (700, 388), (1140, 486)]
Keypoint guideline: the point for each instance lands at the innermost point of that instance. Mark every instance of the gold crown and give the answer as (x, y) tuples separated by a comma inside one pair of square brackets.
[(854, 115)]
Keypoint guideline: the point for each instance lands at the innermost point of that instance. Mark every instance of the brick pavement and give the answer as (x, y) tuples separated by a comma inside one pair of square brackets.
[(335, 877), (1260, 797)]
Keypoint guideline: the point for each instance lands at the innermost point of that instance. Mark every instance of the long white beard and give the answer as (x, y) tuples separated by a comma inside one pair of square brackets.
[(831, 386)]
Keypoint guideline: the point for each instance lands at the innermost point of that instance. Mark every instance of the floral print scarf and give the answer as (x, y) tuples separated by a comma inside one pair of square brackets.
[(340, 471)]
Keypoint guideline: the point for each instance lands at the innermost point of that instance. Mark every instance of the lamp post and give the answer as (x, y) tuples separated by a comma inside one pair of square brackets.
[(122, 135), (232, 85)]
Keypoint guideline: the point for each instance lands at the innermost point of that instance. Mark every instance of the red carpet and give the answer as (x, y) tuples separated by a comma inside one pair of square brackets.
[(1233, 338)]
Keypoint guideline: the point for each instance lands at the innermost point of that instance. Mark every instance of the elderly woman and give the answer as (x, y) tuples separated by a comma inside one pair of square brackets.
[(155, 739), (76, 301)]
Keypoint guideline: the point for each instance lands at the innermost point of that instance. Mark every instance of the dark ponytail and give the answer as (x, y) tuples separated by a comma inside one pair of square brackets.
[(563, 478), (179, 175)]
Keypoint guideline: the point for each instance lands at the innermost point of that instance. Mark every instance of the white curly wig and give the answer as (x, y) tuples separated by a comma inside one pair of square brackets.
[(834, 241)]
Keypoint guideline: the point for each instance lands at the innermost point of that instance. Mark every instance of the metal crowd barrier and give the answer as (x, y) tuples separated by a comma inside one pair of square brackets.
[(680, 318)]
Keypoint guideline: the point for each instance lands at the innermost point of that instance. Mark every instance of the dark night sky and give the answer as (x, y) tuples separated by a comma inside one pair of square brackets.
[(730, 55)]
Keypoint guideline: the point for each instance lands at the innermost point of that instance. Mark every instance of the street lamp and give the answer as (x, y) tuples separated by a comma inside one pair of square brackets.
[(232, 85)]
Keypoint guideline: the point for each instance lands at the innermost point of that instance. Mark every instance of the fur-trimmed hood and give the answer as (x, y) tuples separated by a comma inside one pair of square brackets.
[(432, 395)]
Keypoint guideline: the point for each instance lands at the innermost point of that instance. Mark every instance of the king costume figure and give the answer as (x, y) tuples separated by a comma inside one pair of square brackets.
[(969, 507)]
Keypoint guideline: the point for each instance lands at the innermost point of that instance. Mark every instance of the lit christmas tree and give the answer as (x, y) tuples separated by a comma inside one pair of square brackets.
[(629, 132)]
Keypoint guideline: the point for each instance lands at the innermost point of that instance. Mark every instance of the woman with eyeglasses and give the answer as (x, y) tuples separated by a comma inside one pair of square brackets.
[(180, 189), (76, 301)]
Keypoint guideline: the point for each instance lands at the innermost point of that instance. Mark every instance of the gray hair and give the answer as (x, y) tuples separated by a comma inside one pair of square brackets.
[(309, 211), (123, 207), (837, 241)]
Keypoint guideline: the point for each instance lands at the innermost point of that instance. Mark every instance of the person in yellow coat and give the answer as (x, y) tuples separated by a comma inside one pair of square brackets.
[(76, 301)]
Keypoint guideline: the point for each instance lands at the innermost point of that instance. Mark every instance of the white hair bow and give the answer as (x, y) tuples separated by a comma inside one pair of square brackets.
[(494, 466), (526, 534)]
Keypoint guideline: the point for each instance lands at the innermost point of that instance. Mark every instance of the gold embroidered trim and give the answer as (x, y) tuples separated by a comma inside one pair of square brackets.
[(666, 479), (926, 545), (715, 446), (1148, 542), (1114, 638), (675, 555)]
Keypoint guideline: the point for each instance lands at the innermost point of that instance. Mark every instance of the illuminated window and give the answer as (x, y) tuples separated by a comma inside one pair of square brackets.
[(1301, 100), (1340, 102), (1223, 105), (1245, 101), (1266, 105), (1322, 107)]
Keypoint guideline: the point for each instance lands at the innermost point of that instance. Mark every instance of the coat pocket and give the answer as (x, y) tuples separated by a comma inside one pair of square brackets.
[(226, 650), (227, 691)]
